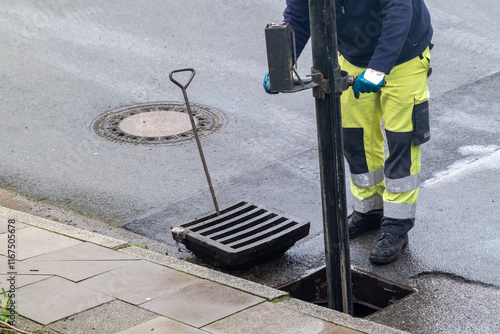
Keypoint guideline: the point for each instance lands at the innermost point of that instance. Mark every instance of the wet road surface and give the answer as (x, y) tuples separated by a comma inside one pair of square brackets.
[(66, 63)]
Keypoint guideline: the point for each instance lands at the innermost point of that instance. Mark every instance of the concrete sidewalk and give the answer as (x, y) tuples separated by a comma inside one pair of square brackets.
[(69, 280)]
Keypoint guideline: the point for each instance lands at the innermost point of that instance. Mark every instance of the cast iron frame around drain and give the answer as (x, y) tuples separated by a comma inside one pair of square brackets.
[(210, 120)]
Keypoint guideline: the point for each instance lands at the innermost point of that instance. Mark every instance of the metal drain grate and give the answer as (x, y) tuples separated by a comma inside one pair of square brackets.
[(209, 120), (243, 234)]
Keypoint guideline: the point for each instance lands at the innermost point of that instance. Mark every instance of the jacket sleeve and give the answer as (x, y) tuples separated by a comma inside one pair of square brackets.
[(395, 24), (297, 15)]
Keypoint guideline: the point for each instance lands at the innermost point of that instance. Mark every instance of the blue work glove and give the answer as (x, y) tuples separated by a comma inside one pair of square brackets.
[(370, 81), (267, 84)]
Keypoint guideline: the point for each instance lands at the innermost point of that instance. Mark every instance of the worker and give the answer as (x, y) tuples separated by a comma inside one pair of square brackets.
[(386, 45)]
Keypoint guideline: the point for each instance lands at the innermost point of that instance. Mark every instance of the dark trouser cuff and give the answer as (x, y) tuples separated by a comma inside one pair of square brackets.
[(397, 226)]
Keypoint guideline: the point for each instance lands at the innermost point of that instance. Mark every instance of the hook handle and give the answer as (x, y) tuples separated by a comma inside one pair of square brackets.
[(182, 70)]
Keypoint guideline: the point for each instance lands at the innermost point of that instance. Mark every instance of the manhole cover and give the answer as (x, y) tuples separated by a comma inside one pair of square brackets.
[(157, 123)]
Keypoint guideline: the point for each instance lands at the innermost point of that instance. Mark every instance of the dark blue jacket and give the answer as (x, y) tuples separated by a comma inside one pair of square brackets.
[(371, 33)]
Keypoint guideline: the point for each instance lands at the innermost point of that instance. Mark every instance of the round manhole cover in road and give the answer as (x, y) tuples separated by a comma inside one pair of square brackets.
[(157, 123)]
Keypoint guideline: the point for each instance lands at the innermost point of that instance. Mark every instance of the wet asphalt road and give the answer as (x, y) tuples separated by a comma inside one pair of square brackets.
[(65, 63)]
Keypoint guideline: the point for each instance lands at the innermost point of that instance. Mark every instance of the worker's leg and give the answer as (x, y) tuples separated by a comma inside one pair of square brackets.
[(404, 101), (364, 151)]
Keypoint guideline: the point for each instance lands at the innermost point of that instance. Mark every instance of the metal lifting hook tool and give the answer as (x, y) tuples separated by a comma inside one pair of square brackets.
[(195, 130)]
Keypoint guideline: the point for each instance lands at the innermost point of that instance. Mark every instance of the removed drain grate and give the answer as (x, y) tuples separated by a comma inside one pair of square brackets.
[(243, 234), (157, 123)]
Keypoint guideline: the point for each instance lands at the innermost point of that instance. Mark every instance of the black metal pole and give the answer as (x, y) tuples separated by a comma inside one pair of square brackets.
[(331, 155)]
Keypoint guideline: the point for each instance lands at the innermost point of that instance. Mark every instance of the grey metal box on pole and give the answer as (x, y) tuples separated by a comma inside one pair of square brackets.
[(280, 61)]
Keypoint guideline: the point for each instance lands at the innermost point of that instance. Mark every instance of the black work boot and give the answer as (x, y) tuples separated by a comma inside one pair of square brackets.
[(388, 248), (359, 223)]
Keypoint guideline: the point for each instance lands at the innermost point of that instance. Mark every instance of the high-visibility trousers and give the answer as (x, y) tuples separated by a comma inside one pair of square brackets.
[(379, 181)]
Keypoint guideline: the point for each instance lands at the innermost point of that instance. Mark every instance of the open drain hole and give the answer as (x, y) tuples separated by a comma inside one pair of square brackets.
[(157, 123), (371, 293)]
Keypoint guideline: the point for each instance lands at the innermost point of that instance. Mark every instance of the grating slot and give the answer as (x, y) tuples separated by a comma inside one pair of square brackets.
[(222, 218), (224, 224), (263, 225), (262, 235), (222, 213), (232, 230), (235, 223), (218, 219)]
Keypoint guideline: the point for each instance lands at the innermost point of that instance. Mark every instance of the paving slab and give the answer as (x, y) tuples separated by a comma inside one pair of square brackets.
[(20, 267), (56, 298), (104, 319), (24, 274), (32, 241), (201, 303), (4, 225), (77, 271), (139, 282), (81, 261), (269, 318), (162, 325), (21, 280), (207, 273), (84, 251)]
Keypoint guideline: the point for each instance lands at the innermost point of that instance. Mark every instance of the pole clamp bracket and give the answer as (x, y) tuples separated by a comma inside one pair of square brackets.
[(342, 81), (321, 85)]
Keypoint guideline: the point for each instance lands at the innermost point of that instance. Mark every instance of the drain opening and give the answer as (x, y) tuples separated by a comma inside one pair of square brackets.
[(157, 123), (371, 293)]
